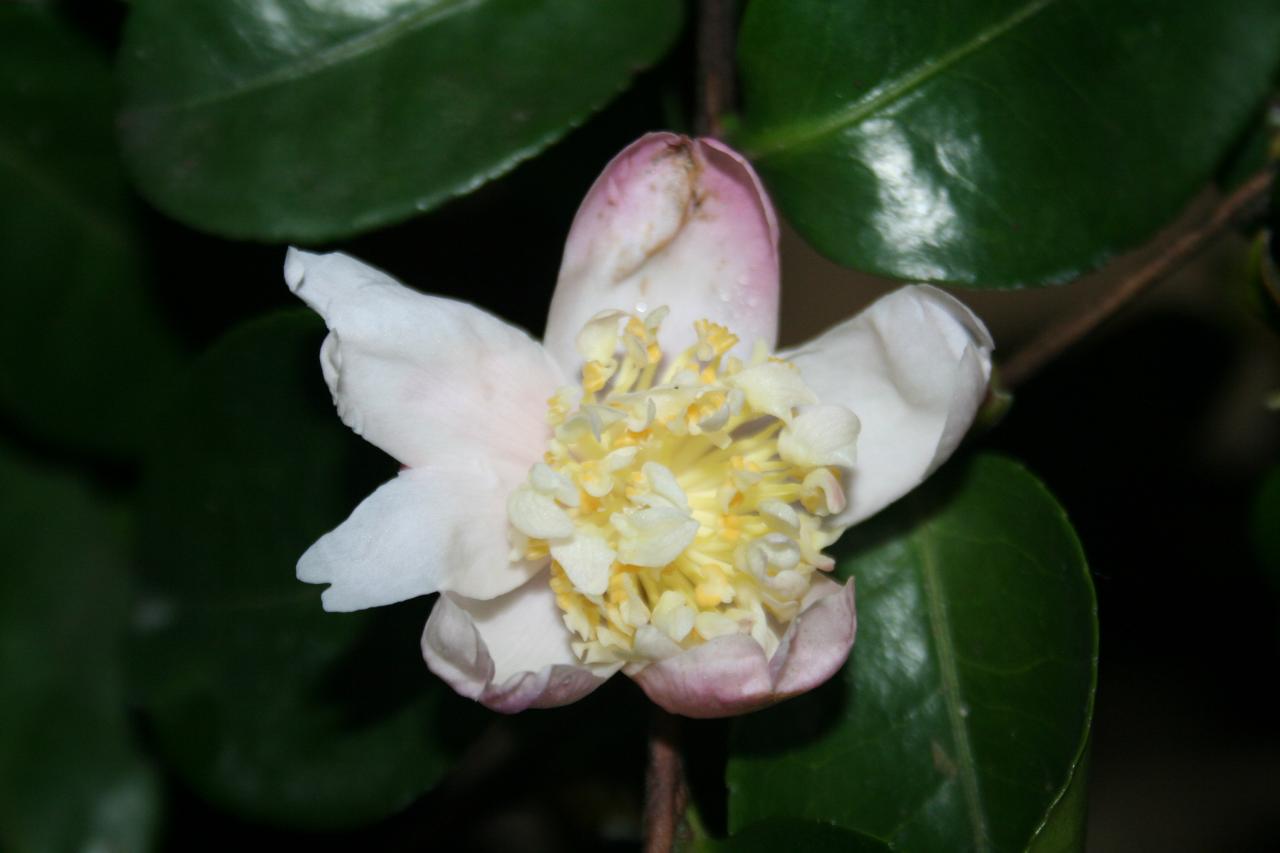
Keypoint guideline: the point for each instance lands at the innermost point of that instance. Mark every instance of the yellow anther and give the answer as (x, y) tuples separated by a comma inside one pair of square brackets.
[(630, 439), (677, 472), (709, 595), (714, 340), (594, 376)]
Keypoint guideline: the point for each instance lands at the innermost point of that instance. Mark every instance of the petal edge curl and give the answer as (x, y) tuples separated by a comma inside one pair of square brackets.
[(730, 675), (913, 367), (422, 377), (427, 530), (671, 221), (508, 654)]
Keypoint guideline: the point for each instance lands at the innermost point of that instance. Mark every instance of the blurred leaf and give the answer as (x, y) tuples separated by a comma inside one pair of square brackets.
[(965, 706), (69, 777), (83, 351), (310, 121), (1251, 153), (996, 143), (1266, 525), (1260, 284), (1260, 288), (771, 836), (265, 703)]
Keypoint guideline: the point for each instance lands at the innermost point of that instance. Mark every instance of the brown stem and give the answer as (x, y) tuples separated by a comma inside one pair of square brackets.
[(715, 65), (1058, 337), (665, 795), (665, 791)]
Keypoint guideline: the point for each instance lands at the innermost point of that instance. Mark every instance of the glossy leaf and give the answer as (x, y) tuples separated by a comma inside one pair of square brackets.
[(83, 350), (995, 143), (309, 121), (771, 836), (265, 703), (963, 711), (70, 779), (1064, 829)]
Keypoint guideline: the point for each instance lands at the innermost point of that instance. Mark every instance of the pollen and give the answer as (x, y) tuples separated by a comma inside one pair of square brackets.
[(681, 498)]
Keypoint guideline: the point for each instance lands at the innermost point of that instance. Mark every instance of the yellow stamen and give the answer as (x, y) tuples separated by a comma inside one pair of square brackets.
[(681, 486)]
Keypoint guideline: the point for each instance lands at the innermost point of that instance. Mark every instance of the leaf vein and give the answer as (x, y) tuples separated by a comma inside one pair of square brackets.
[(803, 133), (330, 56), (948, 668)]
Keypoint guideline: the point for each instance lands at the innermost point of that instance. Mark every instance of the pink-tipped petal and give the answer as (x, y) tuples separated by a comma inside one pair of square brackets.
[(510, 653), (730, 675), (426, 379), (677, 222), (442, 527), (818, 643), (914, 368)]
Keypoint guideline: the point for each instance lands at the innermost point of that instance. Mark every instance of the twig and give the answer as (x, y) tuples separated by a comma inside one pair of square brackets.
[(715, 90), (1058, 337), (665, 794)]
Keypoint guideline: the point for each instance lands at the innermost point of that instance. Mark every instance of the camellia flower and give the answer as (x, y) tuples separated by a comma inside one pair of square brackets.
[(650, 489)]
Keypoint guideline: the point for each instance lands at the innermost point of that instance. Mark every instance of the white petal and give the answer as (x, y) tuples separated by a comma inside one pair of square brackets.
[(675, 222), (598, 339), (782, 513), (664, 484), (421, 377), (552, 483), (773, 388), (773, 549), (674, 616), (822, 492), (586, 559), (732, 674), (510, 653), (437, 528), (537, 515), (710, 624), (652, 644), (821, 435), (914, 366), (655, 536)]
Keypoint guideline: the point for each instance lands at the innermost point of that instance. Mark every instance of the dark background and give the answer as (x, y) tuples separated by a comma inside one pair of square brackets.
[(1152, 433)]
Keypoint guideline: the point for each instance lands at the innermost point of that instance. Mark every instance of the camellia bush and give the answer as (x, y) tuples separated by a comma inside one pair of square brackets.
[(360, 494)]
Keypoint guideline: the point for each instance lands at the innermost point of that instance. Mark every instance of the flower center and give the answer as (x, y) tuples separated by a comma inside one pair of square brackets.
[(681, 499)]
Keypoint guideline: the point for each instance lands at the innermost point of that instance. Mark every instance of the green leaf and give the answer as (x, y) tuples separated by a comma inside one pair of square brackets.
[(309, 121), (964, 709), (1266, 525), (1064, 829), (1251, 153), (83, 352), (70, 779), (1259, 286), (265, 703), (771, 836), (995, 143)]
